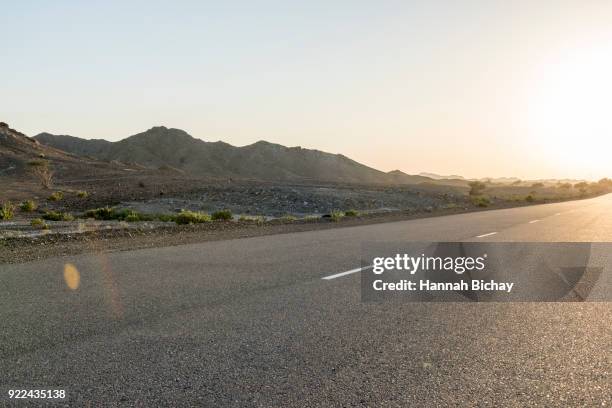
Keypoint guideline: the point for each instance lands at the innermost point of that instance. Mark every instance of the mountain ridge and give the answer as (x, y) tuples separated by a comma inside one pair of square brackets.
[(162, 146)]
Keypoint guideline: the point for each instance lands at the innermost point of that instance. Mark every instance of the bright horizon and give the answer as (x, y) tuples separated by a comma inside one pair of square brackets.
[(482, 89)]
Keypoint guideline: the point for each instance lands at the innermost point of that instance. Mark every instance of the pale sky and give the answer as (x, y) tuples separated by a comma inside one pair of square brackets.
[(478, 88)]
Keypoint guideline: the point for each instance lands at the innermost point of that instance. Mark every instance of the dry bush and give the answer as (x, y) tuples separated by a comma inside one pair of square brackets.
[(41, 170)]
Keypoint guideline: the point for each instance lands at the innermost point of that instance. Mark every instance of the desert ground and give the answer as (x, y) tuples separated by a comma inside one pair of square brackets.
[(256, 208), (53, 200)]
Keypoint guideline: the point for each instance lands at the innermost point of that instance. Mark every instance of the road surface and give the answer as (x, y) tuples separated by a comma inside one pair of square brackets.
[(252, 322)]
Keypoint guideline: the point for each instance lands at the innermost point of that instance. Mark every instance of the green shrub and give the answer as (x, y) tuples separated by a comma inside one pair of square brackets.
[(476, 187), (530, 198), (57, 216), (39, 223), (222, 215), (103, 213), (28, 206), (7, 211), (109, 213), (132, 216), (191, 217), (288, 218), (481, 201), (166, 217), (258, 219), (351, 213), (82, 194), (336, 216), (57, 196), (146, 217), (125, 215)]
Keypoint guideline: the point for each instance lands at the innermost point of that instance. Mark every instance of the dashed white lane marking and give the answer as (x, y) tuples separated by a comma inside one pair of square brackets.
[(365, 268), (557, 214), (486, 235), (534, 221)]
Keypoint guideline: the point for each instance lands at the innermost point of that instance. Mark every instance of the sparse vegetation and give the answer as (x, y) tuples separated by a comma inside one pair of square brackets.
[(166, 217), (82, 194), (39, 223), (222, 215), (258, 219), (132, 216), (103, 213), (606, 182), (7, 211), (481, 201), (41, 170), (109, 213), (582, 187), (537, 185), (57, 216), (288, 218), (476, 187), (28, 206), (57, 196), (351, 213), (582, 184), (311, 218), (336, 216), (530, 198), (191, 217)]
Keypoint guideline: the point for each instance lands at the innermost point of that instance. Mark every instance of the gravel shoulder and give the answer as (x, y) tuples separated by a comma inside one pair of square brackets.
[(26, 249)]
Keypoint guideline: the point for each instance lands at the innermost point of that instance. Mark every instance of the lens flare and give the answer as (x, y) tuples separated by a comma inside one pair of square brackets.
[(72, 277)]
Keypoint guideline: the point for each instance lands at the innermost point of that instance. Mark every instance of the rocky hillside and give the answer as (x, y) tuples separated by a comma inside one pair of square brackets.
[(19, 152), (161, 146)]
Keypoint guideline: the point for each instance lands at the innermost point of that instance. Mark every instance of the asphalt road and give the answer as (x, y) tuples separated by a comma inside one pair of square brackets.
[(251, 322)]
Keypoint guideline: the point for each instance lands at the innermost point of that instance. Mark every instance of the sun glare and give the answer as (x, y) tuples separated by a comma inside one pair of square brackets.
[(570, 110)]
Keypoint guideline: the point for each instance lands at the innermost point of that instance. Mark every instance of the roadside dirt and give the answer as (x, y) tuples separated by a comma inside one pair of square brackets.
[(160, 193), (26, 249)]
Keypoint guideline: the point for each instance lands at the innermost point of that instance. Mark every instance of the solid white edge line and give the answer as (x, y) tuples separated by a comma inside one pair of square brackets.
[(486, 235), (534, 221), (347, 272)]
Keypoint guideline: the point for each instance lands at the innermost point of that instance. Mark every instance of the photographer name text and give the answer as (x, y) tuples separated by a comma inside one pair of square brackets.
[(427, 285)]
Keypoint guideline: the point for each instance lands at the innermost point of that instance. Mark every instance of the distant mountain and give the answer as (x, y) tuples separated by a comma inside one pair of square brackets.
[(399, 177), (439, 177), (501, 180), (75, 145), (161, 146)]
